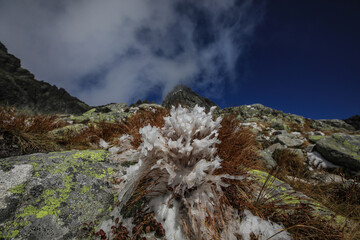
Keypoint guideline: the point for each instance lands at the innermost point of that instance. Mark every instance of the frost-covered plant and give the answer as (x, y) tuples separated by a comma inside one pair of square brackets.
[(181, 159)]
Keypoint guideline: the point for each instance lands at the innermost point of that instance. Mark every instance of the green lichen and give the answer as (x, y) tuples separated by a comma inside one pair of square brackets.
[(88, 113), (18, 189), (85, 189), (95, 156), (37, 174), (35, 165), (315, 138), (29, 210)]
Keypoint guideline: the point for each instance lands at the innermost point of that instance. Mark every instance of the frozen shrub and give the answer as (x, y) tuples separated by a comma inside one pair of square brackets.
[(187, 197)]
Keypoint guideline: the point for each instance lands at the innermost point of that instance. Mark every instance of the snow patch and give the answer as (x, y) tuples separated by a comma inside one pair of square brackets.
[(318, 161)]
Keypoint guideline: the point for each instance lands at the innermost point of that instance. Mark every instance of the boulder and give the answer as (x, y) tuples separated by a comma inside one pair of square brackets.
[(341, 149), (277, 146), (288, 140), (51, 196), (267, 159)]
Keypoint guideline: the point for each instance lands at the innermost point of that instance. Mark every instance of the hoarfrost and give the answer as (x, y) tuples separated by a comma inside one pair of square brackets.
[(181, 158)]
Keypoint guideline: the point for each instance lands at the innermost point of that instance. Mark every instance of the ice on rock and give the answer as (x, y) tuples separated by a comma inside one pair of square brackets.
[(103, 144), (318, 161)]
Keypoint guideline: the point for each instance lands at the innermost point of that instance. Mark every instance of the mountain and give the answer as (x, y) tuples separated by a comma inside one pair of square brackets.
[(145, 171), (19, 88), (186, 97)]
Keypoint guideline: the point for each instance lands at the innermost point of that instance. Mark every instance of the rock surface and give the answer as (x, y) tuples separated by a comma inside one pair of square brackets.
[(18, 87), (354, 121), (186, 97), (341, 149), (50, 196)]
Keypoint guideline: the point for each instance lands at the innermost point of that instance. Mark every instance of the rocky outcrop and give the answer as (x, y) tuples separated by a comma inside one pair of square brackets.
[(113, 112), (184, 96), (354, 121), (341, 149), (260, 113), (52, 196), (19, 88), (332, 124)]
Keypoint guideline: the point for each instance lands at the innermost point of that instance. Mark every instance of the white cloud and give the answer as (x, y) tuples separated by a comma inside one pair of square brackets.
[(136, 45)]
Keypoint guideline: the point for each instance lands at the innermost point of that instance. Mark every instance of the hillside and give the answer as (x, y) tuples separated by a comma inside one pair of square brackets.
[(149, 171), (144, 171), (18, 87)]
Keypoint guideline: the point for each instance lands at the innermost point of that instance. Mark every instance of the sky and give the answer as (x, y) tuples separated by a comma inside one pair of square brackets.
[(301, 57)]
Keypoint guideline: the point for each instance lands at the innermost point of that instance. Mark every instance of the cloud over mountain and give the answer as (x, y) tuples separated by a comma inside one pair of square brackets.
[(115, 51)]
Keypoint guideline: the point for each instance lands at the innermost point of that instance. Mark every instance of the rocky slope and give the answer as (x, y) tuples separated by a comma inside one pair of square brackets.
[(18, 87), (74, 194)]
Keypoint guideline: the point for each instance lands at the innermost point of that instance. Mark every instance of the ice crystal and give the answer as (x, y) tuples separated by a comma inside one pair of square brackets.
[(181, 158)]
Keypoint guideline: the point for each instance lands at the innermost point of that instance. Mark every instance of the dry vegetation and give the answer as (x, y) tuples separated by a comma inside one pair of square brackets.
[(238, 149), (27, 132)]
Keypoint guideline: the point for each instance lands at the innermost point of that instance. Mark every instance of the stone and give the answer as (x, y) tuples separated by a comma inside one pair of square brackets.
[(277, 146), (315, 138), (288, 140), (309, 148), (278, 124), (50, 196), (266, 157), (341, 149)]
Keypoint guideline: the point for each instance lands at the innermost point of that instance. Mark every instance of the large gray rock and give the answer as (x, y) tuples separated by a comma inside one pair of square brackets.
[(187, 98), (288, 140), (18, 87), (50, 196), (341, 149)]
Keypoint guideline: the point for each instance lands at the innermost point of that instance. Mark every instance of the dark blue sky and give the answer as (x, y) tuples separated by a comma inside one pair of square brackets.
[(304, 58)]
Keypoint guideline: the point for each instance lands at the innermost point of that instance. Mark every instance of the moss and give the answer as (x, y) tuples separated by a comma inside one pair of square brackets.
[(37, 174), (18, 189)]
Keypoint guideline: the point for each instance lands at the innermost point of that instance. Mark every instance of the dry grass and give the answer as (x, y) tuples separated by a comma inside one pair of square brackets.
[(238, 148), (142, 119), (289, 164), (110, 132), (28, 132), (301, 128)]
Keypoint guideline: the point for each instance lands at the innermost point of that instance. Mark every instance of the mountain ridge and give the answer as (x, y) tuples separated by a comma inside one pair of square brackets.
[(19, 88)]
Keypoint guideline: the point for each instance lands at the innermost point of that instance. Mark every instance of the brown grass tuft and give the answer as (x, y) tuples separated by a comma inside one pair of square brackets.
[(28, 132), (289, 163), (238, 148)]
